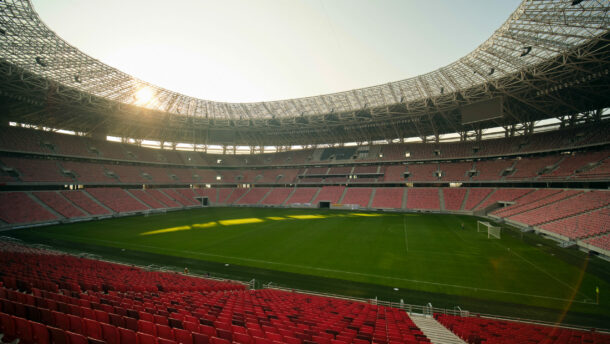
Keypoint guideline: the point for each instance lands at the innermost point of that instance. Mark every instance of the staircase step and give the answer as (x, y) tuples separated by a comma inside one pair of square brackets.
[(437, 333)]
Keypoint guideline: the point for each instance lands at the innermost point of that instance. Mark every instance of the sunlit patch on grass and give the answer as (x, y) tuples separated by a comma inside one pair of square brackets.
[(307, 217), (276, 218), (367, 214), (205, 225), (240, 221), (167, 230)]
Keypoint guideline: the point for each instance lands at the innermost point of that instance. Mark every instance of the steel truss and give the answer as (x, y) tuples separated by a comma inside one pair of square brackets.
[(548, 60)]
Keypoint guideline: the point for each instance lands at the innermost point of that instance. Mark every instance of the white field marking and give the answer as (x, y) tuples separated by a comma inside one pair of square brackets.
[(543, 271), (336, 271), (404, 226), (438, 253)]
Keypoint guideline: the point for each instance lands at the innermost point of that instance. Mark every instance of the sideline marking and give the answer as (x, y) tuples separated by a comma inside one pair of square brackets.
[(332, 270)]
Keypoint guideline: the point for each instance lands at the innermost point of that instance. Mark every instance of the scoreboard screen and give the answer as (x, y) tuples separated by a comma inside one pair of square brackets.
[(483, 110)]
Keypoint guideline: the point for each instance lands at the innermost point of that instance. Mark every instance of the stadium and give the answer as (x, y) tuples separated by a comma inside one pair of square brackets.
[(469, 204)]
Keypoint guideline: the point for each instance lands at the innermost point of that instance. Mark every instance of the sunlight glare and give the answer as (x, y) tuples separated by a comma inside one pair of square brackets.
[(143, 96)]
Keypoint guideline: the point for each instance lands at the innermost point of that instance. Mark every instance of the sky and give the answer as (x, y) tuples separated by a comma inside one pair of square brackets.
[(263, 50)]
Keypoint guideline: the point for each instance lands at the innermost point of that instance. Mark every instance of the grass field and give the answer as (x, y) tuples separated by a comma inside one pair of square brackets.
[(428, 257)]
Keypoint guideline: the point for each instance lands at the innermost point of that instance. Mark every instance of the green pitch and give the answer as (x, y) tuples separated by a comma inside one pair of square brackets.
[(423, 255)]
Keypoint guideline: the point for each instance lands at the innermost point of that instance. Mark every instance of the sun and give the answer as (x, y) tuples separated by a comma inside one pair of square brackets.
[(143, 96)]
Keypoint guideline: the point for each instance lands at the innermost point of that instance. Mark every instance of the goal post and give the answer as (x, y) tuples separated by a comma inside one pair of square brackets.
[(493, 232)]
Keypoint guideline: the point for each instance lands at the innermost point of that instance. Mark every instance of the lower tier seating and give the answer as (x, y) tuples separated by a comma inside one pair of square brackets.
[(58, 203), (454, 198), (18, 207), (277, 196), (423, 198), (117, 199), (600, 241), (359, 196), (575, 214), (388, 198)]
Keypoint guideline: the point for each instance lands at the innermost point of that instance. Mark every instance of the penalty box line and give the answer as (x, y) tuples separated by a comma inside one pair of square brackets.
[(340, 271)]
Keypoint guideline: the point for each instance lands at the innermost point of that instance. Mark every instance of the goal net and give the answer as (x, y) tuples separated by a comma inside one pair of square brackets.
[(493, 232)]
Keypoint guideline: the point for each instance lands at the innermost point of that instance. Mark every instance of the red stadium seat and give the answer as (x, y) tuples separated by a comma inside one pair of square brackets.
[(147, 327), (127, 336), (200, 338), (166, 332), (93, 328), (145, 338), (183, 336), (58, 336), (110, 334), (75, 338), (40, 333), (76, 323), (23, 330), (7, 325), (216, 340)]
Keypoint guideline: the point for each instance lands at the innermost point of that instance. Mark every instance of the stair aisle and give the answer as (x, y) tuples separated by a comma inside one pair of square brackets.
[(437, 333)]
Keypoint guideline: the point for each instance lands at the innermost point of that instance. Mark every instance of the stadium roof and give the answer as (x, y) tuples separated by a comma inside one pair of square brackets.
[(549, 59)]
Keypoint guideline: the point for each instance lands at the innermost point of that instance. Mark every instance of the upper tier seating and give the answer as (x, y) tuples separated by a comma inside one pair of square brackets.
[(129, 174), (16, 139), (365, 169), (317, 170), (117, 199), (360, 196), (600, 171), (37, 170), (19, 207), (393, 173), (573, 163), (89, 172), (423, 172), (187, 175), (485, 330), (423, 198), (22, 140), (491, 169), (94, 173), (159, 174), (528, 168), (455, 171), (57, 202)]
